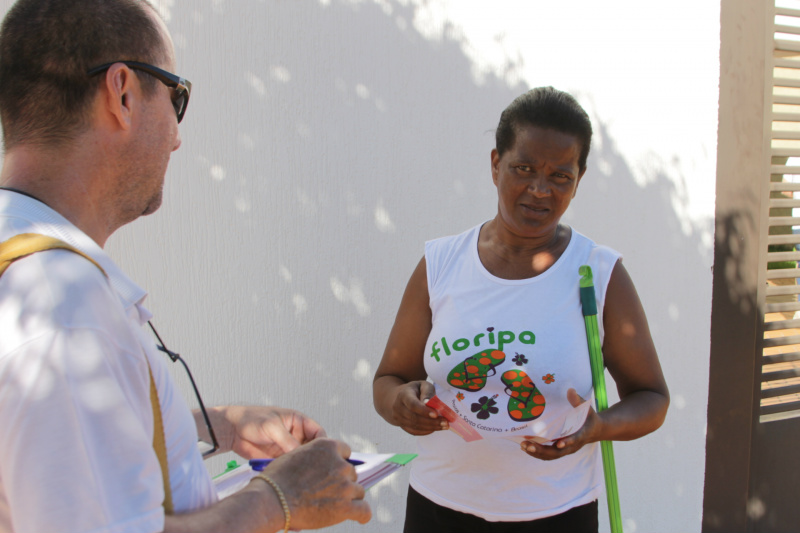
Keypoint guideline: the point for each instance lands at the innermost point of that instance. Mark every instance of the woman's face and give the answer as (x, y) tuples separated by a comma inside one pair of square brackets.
[(536, 180)]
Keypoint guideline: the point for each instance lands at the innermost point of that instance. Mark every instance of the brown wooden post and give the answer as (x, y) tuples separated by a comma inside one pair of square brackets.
[(742, 159)]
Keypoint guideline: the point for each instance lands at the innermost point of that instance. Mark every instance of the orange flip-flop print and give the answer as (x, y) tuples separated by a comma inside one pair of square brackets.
[(471, 373), (525, 402)]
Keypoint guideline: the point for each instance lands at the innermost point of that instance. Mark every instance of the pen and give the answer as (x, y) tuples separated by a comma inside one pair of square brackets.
[(260, 464)]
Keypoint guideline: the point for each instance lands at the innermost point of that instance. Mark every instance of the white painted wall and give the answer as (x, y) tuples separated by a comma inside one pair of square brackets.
[(326, 140)]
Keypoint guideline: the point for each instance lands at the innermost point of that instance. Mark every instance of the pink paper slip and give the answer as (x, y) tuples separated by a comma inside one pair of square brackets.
[(457, 424)]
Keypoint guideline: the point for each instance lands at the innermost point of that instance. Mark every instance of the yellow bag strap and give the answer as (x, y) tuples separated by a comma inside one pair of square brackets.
[(25, 244), (159, 442)]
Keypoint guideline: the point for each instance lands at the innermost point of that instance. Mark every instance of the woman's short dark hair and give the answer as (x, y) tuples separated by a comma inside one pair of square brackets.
[(545, 107), (46, 48)]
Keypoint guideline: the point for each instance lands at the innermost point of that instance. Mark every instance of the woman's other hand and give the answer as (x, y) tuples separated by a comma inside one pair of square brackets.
[(632, 361), (588, 433)]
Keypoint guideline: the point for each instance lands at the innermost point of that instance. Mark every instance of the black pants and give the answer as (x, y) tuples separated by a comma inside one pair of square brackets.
[(424, 516)]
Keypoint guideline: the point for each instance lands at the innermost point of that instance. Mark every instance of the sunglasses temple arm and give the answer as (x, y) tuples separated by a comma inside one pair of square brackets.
[(176, 357), (202, 407), (163, 348)]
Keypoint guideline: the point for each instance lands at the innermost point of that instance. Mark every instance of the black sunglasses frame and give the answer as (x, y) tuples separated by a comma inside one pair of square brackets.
[(176, 357), (181, 86)]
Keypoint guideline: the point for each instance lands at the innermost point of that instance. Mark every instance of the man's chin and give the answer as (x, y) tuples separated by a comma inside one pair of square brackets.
[(153, 206)]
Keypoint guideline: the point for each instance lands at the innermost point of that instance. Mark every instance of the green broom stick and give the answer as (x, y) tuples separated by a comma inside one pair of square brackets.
[(589, 305)]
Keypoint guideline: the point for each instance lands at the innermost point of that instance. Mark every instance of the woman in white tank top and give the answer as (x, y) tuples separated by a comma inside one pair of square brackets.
[(490, 324)]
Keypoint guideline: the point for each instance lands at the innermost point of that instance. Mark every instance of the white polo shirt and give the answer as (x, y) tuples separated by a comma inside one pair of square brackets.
[(76, 444)]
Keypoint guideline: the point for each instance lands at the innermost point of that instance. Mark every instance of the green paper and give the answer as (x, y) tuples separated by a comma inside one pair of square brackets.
[(401, 458), (231, 465)]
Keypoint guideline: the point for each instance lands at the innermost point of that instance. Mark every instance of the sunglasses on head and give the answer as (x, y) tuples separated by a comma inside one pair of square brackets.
[(181, 87)]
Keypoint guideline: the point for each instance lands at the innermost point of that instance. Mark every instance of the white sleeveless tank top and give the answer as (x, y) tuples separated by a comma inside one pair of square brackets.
[(502, 354)]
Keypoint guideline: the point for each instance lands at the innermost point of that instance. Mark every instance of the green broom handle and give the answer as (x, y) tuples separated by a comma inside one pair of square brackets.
[(589, 305)]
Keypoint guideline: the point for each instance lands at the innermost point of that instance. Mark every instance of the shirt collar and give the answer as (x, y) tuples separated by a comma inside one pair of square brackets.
[(42, 219)]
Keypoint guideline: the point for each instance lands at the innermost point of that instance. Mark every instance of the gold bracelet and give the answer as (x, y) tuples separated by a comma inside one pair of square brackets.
[(287, 515)]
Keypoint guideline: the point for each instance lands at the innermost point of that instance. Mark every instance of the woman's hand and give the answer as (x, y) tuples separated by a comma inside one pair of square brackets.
[(588, 433), (410, 412)]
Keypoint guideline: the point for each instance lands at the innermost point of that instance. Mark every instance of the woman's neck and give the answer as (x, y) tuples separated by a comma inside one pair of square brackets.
[(509, 256)]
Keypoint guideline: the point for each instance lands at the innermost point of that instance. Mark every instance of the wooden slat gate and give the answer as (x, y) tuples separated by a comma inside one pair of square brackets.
[(753, 442)]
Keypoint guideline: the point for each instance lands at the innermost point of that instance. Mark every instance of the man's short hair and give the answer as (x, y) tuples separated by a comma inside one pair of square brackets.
[(46, 48), (549, 108)]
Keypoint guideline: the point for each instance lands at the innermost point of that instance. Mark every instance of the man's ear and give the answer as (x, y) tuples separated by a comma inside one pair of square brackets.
[(121, 94)]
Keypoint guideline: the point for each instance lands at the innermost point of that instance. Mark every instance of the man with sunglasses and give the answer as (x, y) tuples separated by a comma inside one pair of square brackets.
[(90, 111)]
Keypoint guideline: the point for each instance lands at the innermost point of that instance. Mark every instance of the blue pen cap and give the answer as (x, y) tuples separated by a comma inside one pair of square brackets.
[(259, 464)]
